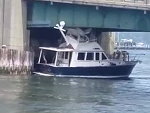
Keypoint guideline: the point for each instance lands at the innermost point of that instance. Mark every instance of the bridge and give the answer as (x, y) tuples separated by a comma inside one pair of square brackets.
[(24, 20), (108, 15), (129, 4)]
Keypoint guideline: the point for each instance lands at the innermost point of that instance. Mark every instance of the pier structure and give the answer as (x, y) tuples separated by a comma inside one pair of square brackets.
[(15, 57)]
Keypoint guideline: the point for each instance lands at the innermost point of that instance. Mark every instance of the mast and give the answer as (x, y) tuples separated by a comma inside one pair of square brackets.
[(68, 39), (60, 28)]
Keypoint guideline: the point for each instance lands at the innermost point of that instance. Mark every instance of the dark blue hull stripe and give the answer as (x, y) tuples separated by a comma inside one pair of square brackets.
[(116, 71)]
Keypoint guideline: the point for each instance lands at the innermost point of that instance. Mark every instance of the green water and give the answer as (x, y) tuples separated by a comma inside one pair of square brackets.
[(35, 94)]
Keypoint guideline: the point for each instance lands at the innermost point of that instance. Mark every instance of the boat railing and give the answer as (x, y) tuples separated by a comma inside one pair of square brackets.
[(122, 55), (125, 56), (136, 57)]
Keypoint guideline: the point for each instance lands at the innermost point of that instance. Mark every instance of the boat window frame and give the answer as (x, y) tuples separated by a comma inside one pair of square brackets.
[(44, 57), (87, 53), (64, 58), (81, 53), (96, 56), (39, 60), (66, 55), (100, 56), (103, 55)]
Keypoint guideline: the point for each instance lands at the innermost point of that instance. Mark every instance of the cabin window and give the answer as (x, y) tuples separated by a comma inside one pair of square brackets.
[(66, 55), (81, 56), (97, 56), (103, 56), (47, 57), (63, 55), (90, 56)]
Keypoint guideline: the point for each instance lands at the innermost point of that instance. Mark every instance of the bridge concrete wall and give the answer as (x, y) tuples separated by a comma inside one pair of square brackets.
[(13, 32), (1, 20), (4, 22)]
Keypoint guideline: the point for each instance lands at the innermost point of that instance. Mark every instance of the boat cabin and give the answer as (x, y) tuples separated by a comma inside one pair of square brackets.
[(66, 57)]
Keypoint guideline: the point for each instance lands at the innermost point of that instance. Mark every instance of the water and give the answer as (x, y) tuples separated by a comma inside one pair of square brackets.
[(27, 94)]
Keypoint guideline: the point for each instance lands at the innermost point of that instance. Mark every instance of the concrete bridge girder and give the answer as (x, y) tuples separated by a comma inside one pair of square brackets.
[(125, 4), (45, 14)]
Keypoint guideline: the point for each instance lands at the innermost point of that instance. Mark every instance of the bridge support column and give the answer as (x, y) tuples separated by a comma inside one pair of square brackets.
[(1, 18), (107, 42), (13, 32)]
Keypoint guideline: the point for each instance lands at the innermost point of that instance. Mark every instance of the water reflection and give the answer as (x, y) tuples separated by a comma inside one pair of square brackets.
[(73, 95), (57, 94), (10, 89)]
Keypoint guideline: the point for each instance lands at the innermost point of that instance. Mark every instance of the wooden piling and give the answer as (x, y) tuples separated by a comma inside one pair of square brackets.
[(15, 62)]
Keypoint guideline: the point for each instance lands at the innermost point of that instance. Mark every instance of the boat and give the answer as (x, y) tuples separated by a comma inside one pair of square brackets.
[(82, 58)]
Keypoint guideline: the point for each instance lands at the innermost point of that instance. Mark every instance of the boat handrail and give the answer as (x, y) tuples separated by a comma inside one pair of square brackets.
[(56, 49), (48, 64)]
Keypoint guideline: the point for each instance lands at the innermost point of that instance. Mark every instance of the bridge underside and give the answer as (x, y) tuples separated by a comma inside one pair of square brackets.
[(47, 14)]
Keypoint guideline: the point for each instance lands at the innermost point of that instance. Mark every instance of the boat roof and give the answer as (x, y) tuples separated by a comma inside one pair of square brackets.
[(82, 47), (89, 46), (56, 49)]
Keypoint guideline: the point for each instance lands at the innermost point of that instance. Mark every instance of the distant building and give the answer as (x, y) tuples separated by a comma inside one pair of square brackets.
[(130, 44), (126, 43)]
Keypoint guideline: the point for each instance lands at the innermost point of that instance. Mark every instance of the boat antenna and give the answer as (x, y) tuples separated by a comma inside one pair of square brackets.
[(60, 28)]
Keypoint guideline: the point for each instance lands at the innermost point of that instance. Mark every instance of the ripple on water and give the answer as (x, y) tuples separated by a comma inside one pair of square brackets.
[(77, 95)]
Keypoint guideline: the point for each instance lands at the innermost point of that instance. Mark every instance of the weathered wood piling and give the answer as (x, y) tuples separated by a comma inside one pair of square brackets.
[(15, 62)]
